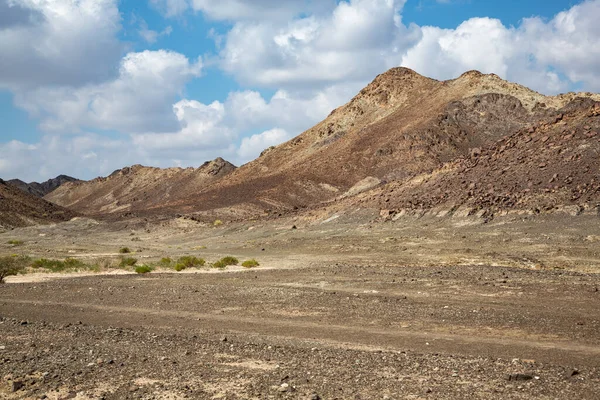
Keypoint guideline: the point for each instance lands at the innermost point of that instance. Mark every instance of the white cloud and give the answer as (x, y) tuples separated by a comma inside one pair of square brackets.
[(356, 41), (361, 38), (292, 111), (151, 36), (252, 146), (201, 127), (84, 155), (548, 56), (569, 42), (52, 42), (138, 100)]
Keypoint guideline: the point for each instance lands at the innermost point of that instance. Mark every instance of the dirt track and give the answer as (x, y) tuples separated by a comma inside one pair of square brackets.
[(311, 323)]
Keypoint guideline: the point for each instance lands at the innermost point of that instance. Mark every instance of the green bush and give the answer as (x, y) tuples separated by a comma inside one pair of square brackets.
[(69, 264), (218, 222), (179, 267), (191, 262), (230, 260), (225, 262), (51, 265), (128, 262), (12, 266), (16, 242), (143, 269), (165, 262), (124, 250), (250, 263)]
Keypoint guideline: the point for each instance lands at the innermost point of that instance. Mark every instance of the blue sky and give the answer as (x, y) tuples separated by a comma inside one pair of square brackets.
[(89, 86)]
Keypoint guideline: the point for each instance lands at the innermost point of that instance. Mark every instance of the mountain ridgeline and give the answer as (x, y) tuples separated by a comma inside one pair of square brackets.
[(19, 208), (404, 142), (44, 188)]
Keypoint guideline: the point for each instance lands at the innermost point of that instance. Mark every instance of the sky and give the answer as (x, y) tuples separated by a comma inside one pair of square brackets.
[(90, 86)]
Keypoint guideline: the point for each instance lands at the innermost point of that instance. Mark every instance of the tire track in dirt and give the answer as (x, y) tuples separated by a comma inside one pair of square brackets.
[(560, 352)]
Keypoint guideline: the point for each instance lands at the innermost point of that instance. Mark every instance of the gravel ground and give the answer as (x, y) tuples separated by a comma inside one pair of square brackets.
[(334, 332)]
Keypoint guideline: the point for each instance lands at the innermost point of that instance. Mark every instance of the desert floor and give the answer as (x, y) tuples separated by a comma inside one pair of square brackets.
[(340, 308)]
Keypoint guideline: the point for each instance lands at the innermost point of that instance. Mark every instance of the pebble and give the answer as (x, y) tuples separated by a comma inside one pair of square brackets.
[(284, 387), (572, 372), (520, 377), (16, 386)]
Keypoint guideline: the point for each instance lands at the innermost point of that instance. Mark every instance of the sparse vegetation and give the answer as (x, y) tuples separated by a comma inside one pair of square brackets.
[(124, 250), (191, 261), (188, 262), (230, 260), (225, 262), (218, 222), (165, 262), (143, 269), (12, 266), (179, 267), (15, 242), (106, 263), (69, 264), (127, 262), (250, 263)]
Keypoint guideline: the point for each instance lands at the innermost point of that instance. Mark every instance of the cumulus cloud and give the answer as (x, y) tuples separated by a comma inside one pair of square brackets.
[(138, 100), (568, 43), (51, 42), (550, 56), (201, 126), (354, 42), (252, 146), (361, 38), (292, 111), (82, 156)]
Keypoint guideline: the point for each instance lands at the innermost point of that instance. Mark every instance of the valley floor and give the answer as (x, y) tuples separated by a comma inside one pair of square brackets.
[(349, 309)]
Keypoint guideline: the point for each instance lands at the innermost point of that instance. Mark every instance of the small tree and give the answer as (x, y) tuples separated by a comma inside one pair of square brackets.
[(10, 266)]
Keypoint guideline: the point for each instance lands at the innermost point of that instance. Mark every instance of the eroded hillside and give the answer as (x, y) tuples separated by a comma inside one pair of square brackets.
[(399, 127), (139, 188), (18, 208)]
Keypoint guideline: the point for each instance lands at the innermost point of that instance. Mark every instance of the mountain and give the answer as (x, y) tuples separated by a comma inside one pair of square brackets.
[(399, 128), (18, 208), (139, 188), (554, 165), (42, 189)]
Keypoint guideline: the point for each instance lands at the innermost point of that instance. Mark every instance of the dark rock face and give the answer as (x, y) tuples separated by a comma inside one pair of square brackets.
[(18, 208), (550, 164), (44, 188)]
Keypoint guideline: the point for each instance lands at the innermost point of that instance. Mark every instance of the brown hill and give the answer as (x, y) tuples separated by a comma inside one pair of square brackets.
[(139, 188), (401, 125), (18, 208), (548, 167), (42, 189)]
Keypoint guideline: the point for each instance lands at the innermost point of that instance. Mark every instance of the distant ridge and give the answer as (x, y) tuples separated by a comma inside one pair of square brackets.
[(139, 188), (42, 189), (401, 127), (18, 208)]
